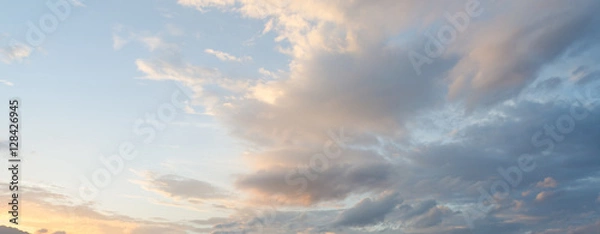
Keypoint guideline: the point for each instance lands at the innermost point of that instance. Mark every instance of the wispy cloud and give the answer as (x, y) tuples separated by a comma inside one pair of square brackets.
[(123, 36), (7, 83), (227, 57), (16, 52)]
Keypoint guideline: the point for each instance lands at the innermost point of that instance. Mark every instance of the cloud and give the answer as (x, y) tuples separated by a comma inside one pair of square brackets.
[(47, 207), (268, 73), (346, 72), (533, 42), (16, 52), (156, 230), (432, 218), (589, 77), (209, 85), (78, 3), (182, 188), (10, 230), (119, 42), (211, 221), (409, 212), (440, 137), (153, 42), (542, 196), (591, 228), (202, 4), (547, 183), (226, 57), (334, 183), (581, 229), (7, 83), (549, 84), (368, 212), (174, 30)]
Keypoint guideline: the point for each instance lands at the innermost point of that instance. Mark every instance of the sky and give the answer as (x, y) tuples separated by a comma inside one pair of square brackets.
[(312, 116)]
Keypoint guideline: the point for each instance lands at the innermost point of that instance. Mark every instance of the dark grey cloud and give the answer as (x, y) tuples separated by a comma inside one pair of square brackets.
[(573, 160), (11, 230), (587, 229), (452, 172), (550, 83), (183, 188), (589, 78), (334, 183), (431, 218), (524, 47), (410, 211), (368, 211)]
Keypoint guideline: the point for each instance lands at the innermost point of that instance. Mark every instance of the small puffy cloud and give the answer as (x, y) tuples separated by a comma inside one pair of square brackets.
[(178, 187), (542, 196), (174, 30), (119, 42), (16, 52), (153, 42), (7, 83), (547, 183), (518, 204), (267, 73)]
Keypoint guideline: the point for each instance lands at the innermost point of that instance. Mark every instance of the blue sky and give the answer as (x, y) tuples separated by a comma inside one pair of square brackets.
[(305, 116)]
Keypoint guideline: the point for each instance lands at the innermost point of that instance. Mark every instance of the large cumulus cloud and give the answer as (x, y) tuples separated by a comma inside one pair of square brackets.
[(437, 138)]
